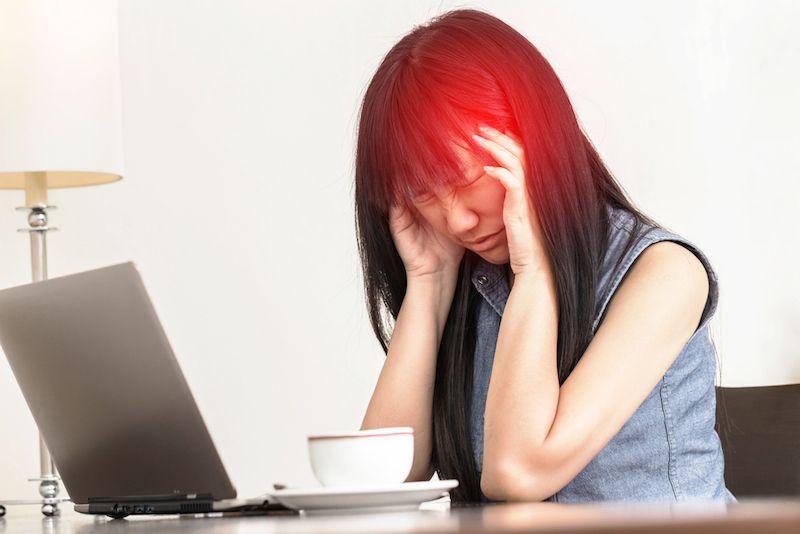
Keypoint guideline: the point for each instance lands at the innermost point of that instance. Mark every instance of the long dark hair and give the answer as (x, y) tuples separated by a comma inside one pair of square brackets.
[(437, 84)]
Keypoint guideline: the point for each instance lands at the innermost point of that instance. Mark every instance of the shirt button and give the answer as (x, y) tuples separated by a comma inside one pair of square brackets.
[(482, 279)]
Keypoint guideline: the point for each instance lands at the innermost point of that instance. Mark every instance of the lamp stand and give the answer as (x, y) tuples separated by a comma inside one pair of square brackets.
[(49, 479), (36, 203)]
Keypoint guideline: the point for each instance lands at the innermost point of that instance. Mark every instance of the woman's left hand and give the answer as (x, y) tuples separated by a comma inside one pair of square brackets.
[(526, 249)]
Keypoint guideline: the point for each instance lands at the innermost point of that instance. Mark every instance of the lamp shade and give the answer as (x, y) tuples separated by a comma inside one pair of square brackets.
[(60, 117)]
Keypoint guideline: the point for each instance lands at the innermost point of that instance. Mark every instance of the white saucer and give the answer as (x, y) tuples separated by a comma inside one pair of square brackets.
[(405, 496)]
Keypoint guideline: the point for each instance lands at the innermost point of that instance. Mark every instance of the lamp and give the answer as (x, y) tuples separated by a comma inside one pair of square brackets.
[(60, 121)]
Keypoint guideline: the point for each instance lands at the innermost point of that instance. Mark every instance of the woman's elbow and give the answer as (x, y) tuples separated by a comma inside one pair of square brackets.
[(512, 481)]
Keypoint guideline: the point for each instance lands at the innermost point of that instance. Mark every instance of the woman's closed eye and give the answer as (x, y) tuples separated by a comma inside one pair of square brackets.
[(473, 184), (422, 196), (476, 180), (426, 196)]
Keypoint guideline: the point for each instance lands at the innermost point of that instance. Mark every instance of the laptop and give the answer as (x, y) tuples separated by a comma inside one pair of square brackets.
[(112, 405)]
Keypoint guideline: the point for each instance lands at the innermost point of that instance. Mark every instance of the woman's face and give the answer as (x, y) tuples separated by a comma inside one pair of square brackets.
[(470, 212)]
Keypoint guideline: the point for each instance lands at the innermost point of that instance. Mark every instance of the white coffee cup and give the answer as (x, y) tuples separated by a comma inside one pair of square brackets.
[(381, 456)]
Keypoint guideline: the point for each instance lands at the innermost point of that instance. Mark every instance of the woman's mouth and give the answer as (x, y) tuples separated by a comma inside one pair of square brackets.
[(487, 242)]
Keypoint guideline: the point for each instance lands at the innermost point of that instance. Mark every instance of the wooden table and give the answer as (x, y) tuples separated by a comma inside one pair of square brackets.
[(762, 516)]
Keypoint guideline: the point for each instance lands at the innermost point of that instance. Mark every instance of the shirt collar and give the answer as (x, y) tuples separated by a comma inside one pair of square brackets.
[(491, 282)]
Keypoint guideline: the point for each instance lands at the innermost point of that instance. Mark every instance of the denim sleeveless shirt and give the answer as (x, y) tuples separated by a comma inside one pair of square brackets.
[(668, 450)]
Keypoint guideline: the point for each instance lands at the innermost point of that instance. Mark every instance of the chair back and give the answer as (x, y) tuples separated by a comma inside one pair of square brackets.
[(760, 432)]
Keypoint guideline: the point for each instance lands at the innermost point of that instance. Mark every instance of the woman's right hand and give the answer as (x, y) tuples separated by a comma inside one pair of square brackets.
[(425, 252)]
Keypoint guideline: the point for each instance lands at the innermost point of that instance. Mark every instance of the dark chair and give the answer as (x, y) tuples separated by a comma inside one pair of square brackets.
[(760, 432)]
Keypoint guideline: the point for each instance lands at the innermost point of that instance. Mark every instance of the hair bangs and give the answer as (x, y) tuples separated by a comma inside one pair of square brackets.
[(422, 152)]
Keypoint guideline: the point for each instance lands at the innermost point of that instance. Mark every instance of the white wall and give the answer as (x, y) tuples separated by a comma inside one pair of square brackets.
[(239, 121)]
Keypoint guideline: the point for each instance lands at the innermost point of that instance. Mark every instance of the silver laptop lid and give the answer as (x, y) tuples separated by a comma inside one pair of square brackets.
[(105, 389)]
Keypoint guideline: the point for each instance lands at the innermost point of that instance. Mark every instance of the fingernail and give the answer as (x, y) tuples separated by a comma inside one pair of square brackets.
[(485, 128), (477, 138), (488, 168)]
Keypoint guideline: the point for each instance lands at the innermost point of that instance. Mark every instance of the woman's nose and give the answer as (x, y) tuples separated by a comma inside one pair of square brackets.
[(461, 218)]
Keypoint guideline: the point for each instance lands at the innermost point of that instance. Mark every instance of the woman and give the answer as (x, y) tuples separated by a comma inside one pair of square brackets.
[(602, 367)]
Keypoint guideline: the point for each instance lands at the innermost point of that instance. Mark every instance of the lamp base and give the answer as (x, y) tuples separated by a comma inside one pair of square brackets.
[(48, 489), (49, 506)]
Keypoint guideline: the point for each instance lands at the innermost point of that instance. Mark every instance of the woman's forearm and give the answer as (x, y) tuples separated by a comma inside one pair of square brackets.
[(523, 390), (403, 395)]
